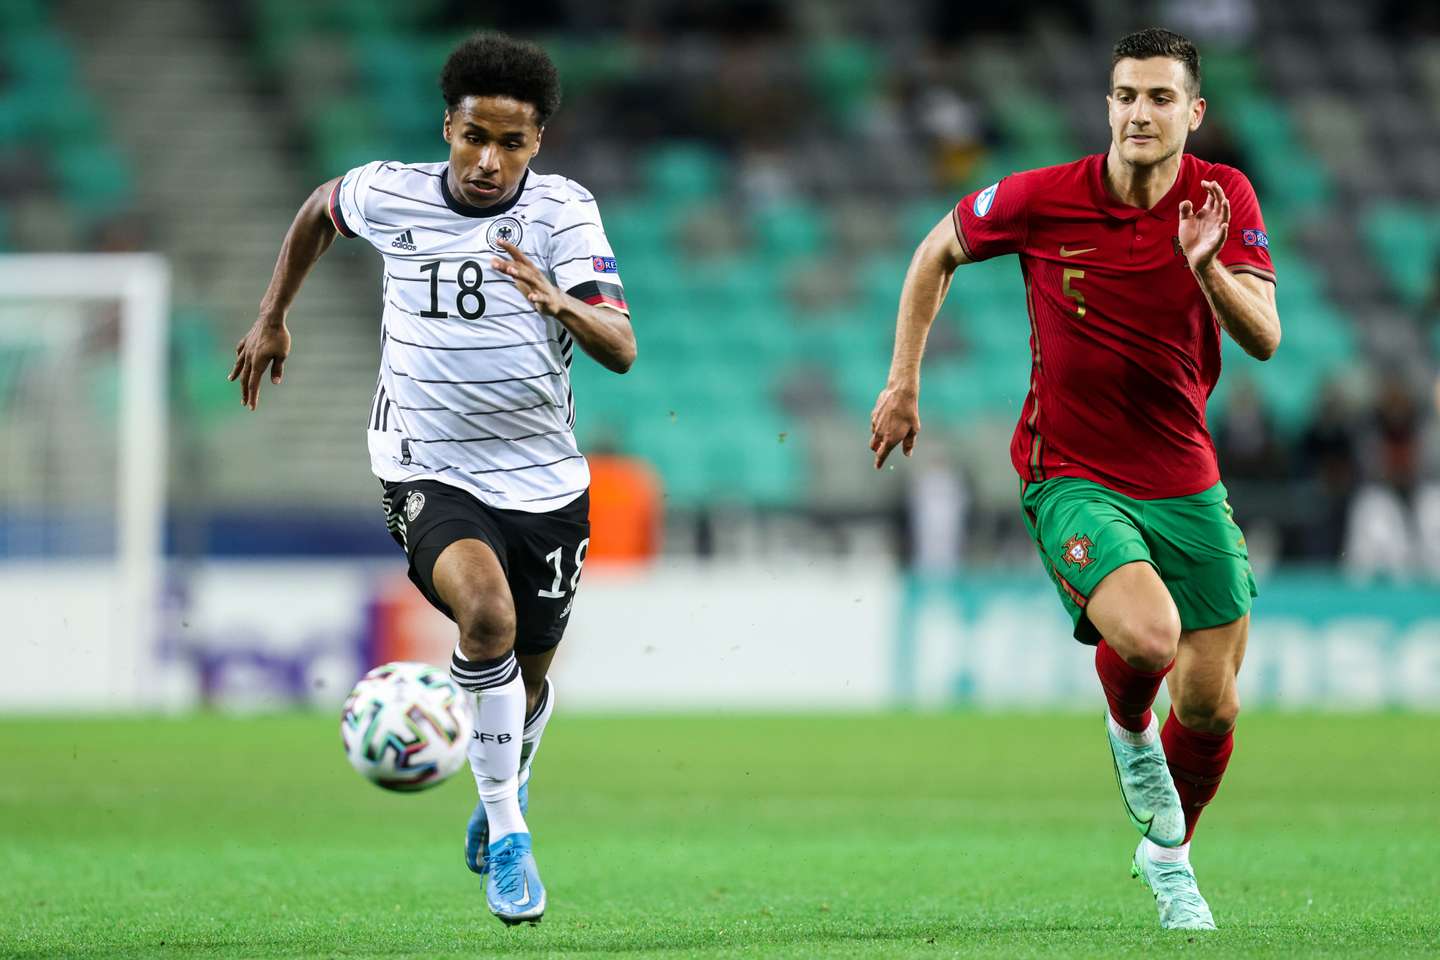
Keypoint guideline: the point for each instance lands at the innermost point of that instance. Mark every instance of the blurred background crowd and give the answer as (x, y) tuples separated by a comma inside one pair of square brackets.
[(764, 170)]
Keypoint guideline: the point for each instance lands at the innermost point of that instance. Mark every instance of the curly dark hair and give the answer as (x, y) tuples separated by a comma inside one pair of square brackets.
[(495, 65), (1154, 42)]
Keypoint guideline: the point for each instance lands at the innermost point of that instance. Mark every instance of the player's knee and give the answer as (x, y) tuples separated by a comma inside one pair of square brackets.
[(1149, 643), (487, 626), (1210, 714)]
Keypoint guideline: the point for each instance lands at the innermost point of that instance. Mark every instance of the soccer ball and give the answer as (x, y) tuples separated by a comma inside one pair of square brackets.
[(406, 726)]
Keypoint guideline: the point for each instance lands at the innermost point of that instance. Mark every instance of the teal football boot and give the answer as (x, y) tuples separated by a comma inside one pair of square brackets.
[(1176, 894), (1151, 802)]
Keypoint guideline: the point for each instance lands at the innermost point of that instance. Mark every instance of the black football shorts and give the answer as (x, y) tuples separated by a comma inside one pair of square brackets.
[(542, 554)]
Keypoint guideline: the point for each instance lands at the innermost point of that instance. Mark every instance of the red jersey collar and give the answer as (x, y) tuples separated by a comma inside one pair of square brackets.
[(1167, 209)]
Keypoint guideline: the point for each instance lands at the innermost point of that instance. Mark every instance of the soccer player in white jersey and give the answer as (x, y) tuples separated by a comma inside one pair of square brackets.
[(492, 274)]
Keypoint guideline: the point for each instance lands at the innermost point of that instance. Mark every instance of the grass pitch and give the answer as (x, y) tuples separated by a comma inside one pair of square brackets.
[(891, 836)]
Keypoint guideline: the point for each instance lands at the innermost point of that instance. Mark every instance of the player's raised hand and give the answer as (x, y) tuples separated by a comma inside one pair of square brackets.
[(266, 345), (531, 280), (894, 422), (1202, 232)]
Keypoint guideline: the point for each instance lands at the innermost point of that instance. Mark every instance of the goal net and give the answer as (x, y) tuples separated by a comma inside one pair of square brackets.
[(82, 477)]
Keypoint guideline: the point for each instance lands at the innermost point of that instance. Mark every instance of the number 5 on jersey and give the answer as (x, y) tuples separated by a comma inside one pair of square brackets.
[(1065, 278), (554, 558)]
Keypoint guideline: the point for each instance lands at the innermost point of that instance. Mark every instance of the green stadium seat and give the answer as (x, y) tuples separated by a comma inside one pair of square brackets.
[(65, 115), (21, 16), (40, 58), (950, 392), (684, 172), (345, 135), (917, 218), (15, 116), (791, 229), (197, 353), (1030, 120), (879, 280), (1285, 170), (1405, 241), (645, 227), (92, 196), (586, 65), (1230, 77), (845, 74), (775, 462)]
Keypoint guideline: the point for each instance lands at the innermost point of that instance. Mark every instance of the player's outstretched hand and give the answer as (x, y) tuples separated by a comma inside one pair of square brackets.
[(895, 422), (266, 345), (531, 280), (1203, 231)]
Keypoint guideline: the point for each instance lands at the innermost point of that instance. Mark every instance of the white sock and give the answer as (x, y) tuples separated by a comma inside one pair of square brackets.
[(1159, 854), (1135, 738), (535, 729), (494, 749)]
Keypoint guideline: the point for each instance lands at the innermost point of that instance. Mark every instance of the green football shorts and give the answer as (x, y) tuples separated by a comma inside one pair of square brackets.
[(1084, 530)]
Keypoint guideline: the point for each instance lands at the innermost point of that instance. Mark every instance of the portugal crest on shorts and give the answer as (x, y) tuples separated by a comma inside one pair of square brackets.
[(413, 505), (505, 228), (1077, 552)]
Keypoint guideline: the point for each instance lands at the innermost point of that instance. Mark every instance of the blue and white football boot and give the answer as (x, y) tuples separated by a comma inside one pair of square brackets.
[(514, 892), (477, 831)]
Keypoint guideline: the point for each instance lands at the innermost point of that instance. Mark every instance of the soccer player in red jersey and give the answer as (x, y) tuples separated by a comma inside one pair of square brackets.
[(1133, 261)]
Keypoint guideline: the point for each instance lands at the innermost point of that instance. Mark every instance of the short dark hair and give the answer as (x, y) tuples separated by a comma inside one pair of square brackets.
[(1154, 42), (495, 65)]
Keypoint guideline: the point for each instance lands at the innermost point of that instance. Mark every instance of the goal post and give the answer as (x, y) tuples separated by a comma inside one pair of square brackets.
[(82, 608)]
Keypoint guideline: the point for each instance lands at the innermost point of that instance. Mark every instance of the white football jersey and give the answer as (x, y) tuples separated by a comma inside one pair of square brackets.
[(474, 386)]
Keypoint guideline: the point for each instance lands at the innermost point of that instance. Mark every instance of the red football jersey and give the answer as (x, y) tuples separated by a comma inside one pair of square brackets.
[(1124, 347)]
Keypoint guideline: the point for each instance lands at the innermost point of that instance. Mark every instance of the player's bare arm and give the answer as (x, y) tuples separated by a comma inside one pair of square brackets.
[(1244, 304), (896, 418), (602, 331), (267, 344)]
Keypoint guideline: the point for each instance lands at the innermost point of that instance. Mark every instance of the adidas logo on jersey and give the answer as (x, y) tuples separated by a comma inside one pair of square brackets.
[(405, 242)]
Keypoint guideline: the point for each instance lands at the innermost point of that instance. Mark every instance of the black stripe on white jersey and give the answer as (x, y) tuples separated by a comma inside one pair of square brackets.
[(554, 496), (553, 199), (511, 321), (400, 168), (557, 266), (401, 196), (498, 346), (528, 466), (479, 413), (421, 226), (535, 376), (491, 438), (573, 226), (499, 279)]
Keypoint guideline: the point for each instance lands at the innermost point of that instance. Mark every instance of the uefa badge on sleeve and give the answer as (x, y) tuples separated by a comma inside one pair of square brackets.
[(985, 199), (507, 229)]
